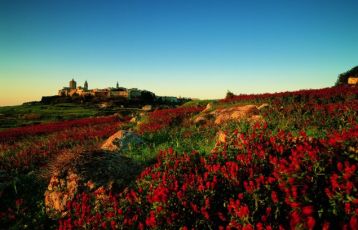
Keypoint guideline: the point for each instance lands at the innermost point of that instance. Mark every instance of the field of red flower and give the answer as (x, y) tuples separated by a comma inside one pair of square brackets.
[(21, 192), (255, 180), (161, 119), (295, 170), (14, 133)]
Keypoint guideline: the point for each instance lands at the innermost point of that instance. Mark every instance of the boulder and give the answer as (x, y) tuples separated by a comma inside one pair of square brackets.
[(221, 118), (147, 108), (104, 105), (263, 106), (203, 118), (256, 119), (209, 107), (121, 140), (200, 120), (236, 113), (221, 137), (86, 172), (59, 192)]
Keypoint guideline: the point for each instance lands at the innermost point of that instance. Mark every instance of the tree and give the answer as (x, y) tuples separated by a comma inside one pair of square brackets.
[(343, 77), (229, 95)]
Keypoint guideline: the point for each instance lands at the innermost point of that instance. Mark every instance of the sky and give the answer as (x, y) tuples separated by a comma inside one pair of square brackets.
[(197, 48)]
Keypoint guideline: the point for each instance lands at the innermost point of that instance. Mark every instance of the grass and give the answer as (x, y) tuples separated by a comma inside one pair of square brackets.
[(21, 115)]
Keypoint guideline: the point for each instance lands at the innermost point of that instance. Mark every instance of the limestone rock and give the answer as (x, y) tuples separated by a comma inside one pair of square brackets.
[(87, 172), (147, 108), (121, 140), (209, 107), (263, 106), (256, 118), (59, 192), (235, 113), (200, 120), (221, 137)]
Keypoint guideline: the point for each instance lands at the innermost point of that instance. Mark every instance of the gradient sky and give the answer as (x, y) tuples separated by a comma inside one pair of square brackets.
[(196, 48)]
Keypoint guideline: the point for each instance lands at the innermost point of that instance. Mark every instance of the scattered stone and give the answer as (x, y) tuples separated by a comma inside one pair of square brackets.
[(147, 108), (221, 118), (263, 106), (200, 120), (203, 118), (121, 140), (256, 118), (209, 107), (31, 116), (104, 105), (221, 137)]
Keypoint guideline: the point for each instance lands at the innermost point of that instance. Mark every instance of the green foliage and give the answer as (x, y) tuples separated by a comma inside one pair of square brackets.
[(229, 95), (343, 77), (14, 116), (198, 103)]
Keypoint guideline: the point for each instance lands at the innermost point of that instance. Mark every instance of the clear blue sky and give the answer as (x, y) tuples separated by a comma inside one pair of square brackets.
[(196, 48)]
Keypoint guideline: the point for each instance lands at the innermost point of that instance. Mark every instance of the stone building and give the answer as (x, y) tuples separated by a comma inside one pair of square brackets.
[(119, 92), (73, 84), (353, 81), (73, 89), (100, 92)]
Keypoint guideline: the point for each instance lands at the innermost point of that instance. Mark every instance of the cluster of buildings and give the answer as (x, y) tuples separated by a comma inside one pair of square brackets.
[(74, 90), (111, 92)]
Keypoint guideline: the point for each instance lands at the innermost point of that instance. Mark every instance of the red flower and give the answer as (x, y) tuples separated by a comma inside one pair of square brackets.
[(311, 222), (340, 166), (248, 227), (274, 197), (353, 222), (325, 225), (151, 220), (295, 219), (307, 210), (347, 208)]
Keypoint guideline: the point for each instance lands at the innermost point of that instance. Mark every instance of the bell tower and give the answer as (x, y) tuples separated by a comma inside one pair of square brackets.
[(85, 85), (73, 84)]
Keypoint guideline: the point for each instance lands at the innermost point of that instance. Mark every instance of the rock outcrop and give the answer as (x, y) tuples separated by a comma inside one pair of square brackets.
[(221, 137), (86, 172), (236, 113), (121, 141)]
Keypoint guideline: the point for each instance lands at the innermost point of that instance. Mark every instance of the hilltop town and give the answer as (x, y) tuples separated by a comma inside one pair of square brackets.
[(132, 97), (74, 90)]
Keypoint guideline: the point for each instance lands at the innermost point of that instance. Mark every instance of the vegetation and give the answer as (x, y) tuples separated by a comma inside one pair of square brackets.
[(343, 77), (295, 169), (229, 95), (15, 116)]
